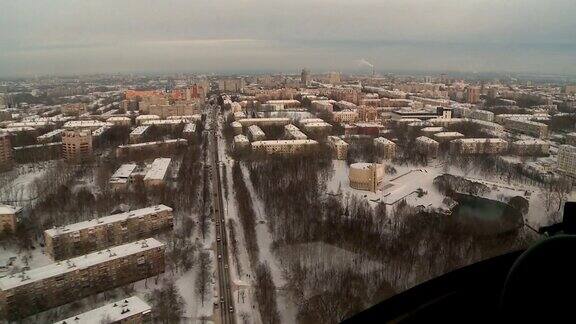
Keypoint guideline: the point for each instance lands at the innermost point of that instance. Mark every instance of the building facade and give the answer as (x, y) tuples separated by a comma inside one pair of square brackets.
[(339, 147), (77, 145), (29, 292), (386, 147), (6, 160), (567, 159), (366, 176), (84, 237)]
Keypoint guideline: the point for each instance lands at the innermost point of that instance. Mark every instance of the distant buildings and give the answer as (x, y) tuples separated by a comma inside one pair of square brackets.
[(234, 85), (141, 150), (478, 146), (534, 147), (422, 114), (80, 238), (305, 78), (472, 95), (536, 129), (284, 146), (32, 291), (366, 176), (77, 145)]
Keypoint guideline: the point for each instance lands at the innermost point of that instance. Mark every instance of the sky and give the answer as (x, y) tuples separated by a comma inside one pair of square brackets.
[(63, 37)]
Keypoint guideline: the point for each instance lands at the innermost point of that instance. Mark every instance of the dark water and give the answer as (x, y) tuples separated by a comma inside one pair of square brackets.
[(491, 216)]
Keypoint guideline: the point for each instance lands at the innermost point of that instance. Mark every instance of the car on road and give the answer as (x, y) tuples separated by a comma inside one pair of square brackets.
[(218, 239), (231, 309), (219, 256), (222, 300)]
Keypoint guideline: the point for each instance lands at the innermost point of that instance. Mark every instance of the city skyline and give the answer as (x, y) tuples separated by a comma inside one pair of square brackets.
[(70, 37)]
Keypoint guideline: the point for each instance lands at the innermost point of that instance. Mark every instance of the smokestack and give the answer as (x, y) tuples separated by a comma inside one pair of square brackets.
[(373, 71)]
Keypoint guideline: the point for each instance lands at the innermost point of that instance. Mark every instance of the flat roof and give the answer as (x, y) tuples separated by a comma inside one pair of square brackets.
[(77, 263), (113, 312), (241, 138), (190, 128), (54, 232), (285, 142), (140, 130), (158, 169), (177, 140), (124, 171), (449, 134), (426, 140), (8, 209), (51, 133)]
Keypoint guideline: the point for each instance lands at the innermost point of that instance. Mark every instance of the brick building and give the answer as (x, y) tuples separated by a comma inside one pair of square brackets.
[(29, 292), (84, 237), (77, 145), (6, 161)]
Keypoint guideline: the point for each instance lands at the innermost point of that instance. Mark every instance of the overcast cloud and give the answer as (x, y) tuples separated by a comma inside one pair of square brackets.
[(80, 36)]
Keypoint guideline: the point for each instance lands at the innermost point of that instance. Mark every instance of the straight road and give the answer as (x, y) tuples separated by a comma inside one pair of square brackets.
[(224, 282)]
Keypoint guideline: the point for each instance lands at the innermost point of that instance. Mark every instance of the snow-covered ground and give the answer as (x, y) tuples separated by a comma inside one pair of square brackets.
[(410, 178)]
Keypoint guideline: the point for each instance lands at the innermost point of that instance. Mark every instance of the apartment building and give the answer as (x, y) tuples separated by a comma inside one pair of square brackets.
[(137, 135), (535, 129), (150, 148), (478, 146), (84, 237), (77, 145), (284, 146), (52, 136), (263, 122), (157, 173), (121, 178), (32, 291), (445, 137), (386, 147), (366, 176), (339, 147), (567, 159), (345, 116), (534, 147), (132, 310), (255, 133), (6, 160), (9, 217), (292, 132), (426, 145)]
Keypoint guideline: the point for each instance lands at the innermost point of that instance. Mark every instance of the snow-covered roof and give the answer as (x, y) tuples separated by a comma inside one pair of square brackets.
[(75, 264), (8, 209), (158, 169), (163, 122), (426, 140), (189, 128), (284, 142), (50, 134), (169, 141), (105, 220), (124, 171), (383, 141), (240, 138), (139, 130), (448, 134), (114, 312), (147, 117), (85, 123)]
